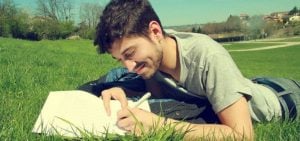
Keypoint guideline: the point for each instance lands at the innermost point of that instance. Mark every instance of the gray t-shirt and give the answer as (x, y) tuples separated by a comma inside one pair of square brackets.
[(207, 70)]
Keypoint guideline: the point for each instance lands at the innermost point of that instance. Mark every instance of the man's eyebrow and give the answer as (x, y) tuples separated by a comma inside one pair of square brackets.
[(124, 51)]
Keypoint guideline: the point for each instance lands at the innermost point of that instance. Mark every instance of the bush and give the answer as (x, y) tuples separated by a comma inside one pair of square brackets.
[(45, 28)]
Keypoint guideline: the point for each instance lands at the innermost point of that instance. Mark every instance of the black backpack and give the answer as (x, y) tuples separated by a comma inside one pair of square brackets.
[(181, 107)]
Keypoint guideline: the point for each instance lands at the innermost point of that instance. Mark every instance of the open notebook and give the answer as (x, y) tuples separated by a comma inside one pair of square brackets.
[(72, 113)]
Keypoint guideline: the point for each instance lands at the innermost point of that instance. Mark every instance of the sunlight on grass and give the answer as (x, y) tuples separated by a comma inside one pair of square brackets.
[(281, 62), (29, 70), (293, 39), (234, 46)]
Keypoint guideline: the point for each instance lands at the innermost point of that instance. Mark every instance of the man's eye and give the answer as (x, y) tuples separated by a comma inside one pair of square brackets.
[(129, 54)]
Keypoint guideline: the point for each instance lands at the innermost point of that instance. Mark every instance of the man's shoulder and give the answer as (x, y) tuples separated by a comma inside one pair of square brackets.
[(186, 35), (191, 40), (195, 44)]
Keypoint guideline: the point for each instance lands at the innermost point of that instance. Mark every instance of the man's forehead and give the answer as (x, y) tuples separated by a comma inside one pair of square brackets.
[(122, 44), (116, 49), (115, 46)]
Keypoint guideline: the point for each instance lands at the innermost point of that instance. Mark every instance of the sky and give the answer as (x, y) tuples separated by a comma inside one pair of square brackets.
[(184, 12)]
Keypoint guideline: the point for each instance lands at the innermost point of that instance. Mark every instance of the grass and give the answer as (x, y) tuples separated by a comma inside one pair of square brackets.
[(281, 62), (292, 39), (295, 39), (29, 70), (234, 46)]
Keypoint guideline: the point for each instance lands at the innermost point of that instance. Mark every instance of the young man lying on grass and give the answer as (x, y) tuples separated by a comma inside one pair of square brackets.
[(189, 65)]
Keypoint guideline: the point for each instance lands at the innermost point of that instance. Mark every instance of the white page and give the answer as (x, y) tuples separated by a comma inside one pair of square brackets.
[(82, 110)]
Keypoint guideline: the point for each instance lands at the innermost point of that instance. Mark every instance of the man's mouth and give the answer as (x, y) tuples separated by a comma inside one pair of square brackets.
[(139, 67)]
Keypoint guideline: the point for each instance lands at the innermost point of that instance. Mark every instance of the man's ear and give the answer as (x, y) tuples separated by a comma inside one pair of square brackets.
[(155, 31)]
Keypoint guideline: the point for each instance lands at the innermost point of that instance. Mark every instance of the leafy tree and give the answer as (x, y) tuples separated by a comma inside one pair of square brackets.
[(14, 22), (194, 30), (233, 23), (294, 11), (209, 28), (20, 25), (296, 28), (53, 19), (66, 29), (38, 31), (8, 11), (85, 32), (199, 30), (256, 26), (45, 28), (270, 28)]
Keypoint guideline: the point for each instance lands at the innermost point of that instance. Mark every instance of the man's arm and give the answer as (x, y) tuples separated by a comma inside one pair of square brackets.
[(236, 123)]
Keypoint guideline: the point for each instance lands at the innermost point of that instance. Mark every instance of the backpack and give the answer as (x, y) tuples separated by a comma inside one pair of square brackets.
[(180, 107)]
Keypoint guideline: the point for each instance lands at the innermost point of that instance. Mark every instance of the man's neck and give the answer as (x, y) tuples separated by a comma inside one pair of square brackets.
[(170, 63)]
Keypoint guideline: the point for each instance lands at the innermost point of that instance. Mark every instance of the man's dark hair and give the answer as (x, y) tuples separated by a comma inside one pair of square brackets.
[(122, 18)]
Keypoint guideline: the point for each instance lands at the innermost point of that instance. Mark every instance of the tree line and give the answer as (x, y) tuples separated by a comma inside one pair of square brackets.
[(254, 27), (55, 19), (52, 19)]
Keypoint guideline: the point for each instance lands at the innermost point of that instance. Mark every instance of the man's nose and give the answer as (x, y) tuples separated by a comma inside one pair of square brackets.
[(130, 65)]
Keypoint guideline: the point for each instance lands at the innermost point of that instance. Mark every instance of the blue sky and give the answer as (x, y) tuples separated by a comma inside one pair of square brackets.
[(181, 12)]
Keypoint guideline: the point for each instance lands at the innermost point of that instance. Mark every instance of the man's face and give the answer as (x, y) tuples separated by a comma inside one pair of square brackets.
[(138, 54)]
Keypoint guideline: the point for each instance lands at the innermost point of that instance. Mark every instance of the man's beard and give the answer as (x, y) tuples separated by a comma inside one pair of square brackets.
[(155, 67)]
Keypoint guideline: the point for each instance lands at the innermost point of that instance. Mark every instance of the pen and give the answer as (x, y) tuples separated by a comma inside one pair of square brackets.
[(140, 101), (137, 104)]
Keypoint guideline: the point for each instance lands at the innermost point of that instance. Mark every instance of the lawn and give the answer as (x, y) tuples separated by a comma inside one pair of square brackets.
[(29, 70), (292, 39), (280, 62), (237, 45)]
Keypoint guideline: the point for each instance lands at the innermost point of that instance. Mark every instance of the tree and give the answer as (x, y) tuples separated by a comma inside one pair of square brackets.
[(8, 11), (14, 22), (199, 30), (232, 24), (53, 20), (294, 11), (89, 16), (256, 26), (90, 13), (66, 29), (194, 30), (213, 28), (51, 29), (20, 24), (209, 28), (295, 26), (59, 10), (85, 32)]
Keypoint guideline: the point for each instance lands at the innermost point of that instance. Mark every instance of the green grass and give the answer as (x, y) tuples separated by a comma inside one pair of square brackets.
[(280, 62), (293, 39), (234, 46), (29, 70)]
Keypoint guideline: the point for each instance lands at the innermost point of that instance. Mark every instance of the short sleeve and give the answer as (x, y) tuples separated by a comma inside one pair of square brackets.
[(224, 83)]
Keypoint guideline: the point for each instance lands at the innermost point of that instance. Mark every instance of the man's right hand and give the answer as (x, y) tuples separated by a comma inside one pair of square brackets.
[(113, 93)]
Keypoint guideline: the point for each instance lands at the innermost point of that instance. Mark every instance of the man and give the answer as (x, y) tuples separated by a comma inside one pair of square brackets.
[(132, 33)]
